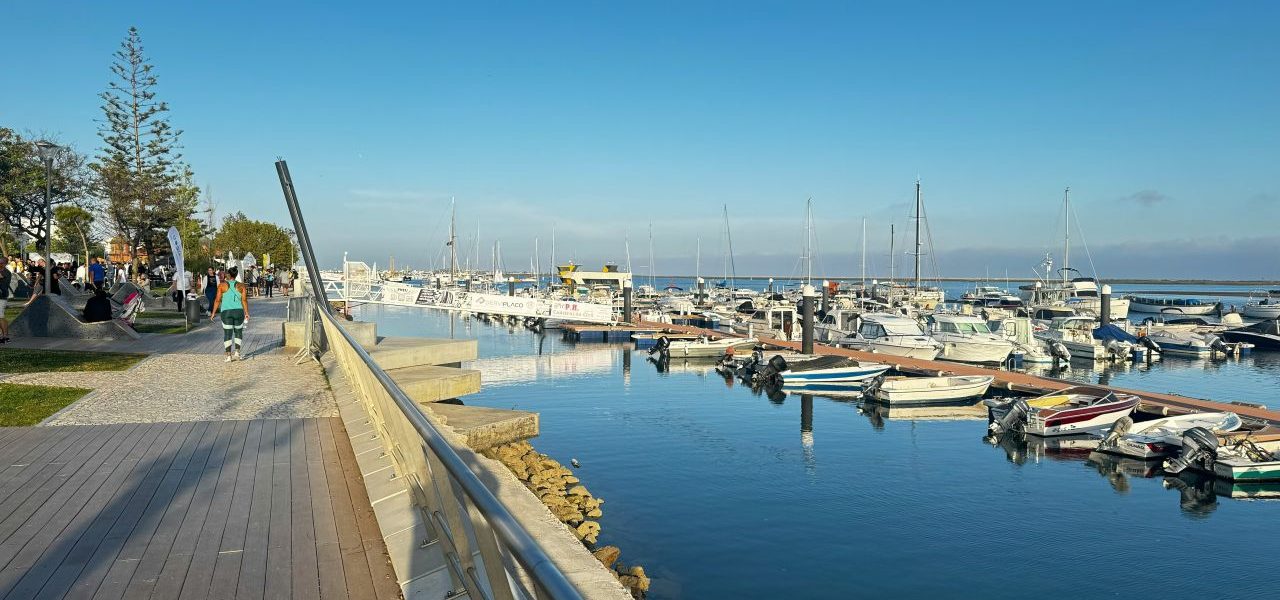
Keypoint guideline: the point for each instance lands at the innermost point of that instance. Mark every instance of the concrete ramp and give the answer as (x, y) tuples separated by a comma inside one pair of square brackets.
[(483, 427), (429, 383), (52, 316)]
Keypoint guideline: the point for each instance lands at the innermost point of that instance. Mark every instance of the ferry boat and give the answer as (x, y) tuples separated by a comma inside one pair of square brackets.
[(1186, 306)]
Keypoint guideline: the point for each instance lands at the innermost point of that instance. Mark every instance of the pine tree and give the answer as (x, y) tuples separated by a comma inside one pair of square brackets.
[(138, 168)]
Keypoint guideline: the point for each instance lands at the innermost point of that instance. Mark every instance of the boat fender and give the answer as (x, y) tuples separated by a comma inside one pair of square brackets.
[(1199, 449)]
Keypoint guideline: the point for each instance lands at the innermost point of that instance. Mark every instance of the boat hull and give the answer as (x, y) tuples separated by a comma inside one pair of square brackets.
[(835, 375), (1259, 341), (878, 347), (1239, 470), (1190, 310), (1086, 419), (968, 352), (1261, 311), (968, 391)]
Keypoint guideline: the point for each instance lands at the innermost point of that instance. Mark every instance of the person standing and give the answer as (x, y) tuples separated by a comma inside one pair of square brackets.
[(97, 273), (6, 280), (270, 282), (210, 287), (233, 306)]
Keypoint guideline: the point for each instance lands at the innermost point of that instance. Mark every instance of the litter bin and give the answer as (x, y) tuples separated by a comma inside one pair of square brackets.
[(192, 309)]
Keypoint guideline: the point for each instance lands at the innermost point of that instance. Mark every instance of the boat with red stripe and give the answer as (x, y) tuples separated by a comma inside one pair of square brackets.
[(1078, 409)]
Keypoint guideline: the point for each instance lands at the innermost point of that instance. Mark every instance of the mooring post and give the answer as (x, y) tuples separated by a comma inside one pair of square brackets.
[(702, 294), (438, 283), (770, 286), (810, 297), (626, 301), (1105, 311), (511, 286), (826, 296)]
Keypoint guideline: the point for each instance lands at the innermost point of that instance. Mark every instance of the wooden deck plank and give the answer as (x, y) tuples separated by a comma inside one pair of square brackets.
[(133, 469), (359, 581), (176, 535), (226, 572), (160, 518), (31, 468), (280, 531), (28, 573), (189, 576), (141, 508), (253, 561), (60, 481), (304, 568), (371, 544), (333, 585)]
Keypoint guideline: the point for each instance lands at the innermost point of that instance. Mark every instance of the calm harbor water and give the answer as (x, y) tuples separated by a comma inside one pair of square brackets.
[(721, 493)]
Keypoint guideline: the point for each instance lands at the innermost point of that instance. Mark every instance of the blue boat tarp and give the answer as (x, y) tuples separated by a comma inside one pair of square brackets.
[(1110, 332)]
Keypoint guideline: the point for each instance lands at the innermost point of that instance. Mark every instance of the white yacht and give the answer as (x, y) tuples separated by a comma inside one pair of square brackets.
[(1019, 331), (1076, 333), (895, 335), (835, 325), (966, 338), (778, 321)]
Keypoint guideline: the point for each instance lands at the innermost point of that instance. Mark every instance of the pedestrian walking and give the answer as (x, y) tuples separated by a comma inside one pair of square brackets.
[(6, 280), (233, 305)]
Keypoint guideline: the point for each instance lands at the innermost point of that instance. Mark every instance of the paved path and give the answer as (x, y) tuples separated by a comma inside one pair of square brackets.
[(185, 378)]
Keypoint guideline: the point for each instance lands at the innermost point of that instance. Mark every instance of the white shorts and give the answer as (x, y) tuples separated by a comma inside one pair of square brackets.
[(4, 303)]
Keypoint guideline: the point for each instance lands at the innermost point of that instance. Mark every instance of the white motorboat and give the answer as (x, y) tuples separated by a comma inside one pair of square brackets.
[(834, 325), (1019, 331), (1076, 334), (965, 338), (702, 347), (779, 321), (894, 335), (1191, 343), (929, 390), (1162, 437), (1266, 307)]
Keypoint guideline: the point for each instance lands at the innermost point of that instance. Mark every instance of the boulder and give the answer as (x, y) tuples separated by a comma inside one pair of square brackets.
[(587, 531), (607, 555)]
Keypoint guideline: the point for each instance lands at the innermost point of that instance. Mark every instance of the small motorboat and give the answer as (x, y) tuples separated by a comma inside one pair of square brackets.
[(1242, 459), (817, 371), (1264, 335), (895, 335), (906, 391), (1190, 343), (1162, 437), (701, 347), (1077, 409), (1266, 307)]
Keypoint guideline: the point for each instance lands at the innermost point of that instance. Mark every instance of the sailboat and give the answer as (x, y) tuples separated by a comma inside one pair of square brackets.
[(916, 295), (1079, 293)]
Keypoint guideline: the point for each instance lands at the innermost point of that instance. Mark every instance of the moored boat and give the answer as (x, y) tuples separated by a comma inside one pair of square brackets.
[(1186, 306), (1162, 437), (701, 347), (929, 390), (892, 334), (965, 338), (1077, 409), (1264, 335), (1266, 307)]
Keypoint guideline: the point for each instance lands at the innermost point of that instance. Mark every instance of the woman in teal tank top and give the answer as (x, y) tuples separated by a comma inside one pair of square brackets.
[(234, 309)]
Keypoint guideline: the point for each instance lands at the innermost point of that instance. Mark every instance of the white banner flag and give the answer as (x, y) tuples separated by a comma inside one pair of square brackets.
[(179, 262)]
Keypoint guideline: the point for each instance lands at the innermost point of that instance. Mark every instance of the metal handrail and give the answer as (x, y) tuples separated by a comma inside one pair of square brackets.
[(527, 552)]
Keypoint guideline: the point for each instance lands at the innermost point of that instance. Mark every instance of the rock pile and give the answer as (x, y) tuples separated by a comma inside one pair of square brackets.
[(570, 502)]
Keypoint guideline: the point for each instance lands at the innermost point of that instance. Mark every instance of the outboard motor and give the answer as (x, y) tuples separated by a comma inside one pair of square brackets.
[(662, 348), (771, 372), (1060, 354), (1014, 420), (1117, 431), (1150, 344), (1199, 449), (1216, 344), (1117, 350), (869, 390)]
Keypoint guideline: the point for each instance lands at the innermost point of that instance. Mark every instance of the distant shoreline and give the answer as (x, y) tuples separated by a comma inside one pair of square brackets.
[(1259, 283)]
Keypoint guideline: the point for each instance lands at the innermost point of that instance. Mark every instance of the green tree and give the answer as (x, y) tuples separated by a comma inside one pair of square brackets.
[(139, 168), (22, 185), (73, 231), (240, 234)]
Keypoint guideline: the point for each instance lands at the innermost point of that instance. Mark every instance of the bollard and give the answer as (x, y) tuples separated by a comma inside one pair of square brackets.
[(468, 285), (702, 294), (806, 319), (826, 297), (511, 286), (626, 302), (1105, 316), (770, 287)]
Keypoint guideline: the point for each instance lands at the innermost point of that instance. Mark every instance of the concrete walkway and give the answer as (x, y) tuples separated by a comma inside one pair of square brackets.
[(186, 379)]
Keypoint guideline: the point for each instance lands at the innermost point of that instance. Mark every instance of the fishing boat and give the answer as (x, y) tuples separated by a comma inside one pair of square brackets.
[(928, 390), (1264, 335), (1186, 306), (965, 338), (1077, 334), (894, 335), (1077, 409), (1241, 459), (701, 347), (1162, 437)]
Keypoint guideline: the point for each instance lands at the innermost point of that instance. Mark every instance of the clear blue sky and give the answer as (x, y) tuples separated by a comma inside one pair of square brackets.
[(601, 117)]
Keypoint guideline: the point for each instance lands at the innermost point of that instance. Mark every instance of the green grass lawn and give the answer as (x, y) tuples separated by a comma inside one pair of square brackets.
[(23, 360), (13, 310), (23, 405)]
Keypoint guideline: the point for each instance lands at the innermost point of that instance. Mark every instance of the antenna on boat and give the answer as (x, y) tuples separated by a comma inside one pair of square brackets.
[(917, 253), (864, 254), (1066, 234)]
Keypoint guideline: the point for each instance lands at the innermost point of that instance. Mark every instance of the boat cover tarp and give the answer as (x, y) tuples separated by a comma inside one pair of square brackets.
[(821, 362), (1110, 332)]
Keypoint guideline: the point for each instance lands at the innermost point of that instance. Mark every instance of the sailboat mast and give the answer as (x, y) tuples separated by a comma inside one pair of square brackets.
[(917, 252), (537, 265), (808, 242), (697, 262), (864, 253), (892, 257), (1066, 234), (728, 234), (453, 240), (651, 284)]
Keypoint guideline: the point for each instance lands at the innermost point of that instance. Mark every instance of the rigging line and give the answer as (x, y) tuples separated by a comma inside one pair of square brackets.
[(933, 255), (1084, 243)]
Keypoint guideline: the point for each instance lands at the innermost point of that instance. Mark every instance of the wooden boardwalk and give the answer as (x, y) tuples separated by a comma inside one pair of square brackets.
[(213, 509)]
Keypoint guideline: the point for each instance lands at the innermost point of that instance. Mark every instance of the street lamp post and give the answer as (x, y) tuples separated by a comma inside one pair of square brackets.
[(47, 151)]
